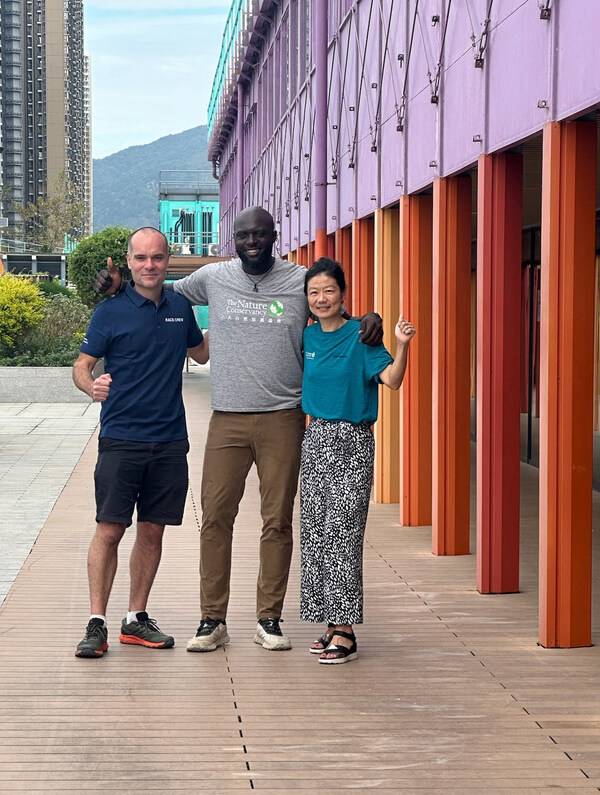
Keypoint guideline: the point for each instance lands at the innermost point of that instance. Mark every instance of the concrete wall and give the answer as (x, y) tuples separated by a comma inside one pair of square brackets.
[(39, 385)]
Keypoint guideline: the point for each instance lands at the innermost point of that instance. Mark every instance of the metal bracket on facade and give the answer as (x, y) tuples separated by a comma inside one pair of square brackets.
[(545, 9), (483, 39)]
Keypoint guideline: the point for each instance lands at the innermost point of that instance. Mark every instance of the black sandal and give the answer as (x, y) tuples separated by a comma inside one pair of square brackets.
[(343, 654), (324, 640)]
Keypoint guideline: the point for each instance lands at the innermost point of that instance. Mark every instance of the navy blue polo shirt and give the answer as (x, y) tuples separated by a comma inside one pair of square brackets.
[(144, 348)]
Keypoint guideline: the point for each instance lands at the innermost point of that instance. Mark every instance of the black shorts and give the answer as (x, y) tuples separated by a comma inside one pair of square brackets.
[(150, 475)]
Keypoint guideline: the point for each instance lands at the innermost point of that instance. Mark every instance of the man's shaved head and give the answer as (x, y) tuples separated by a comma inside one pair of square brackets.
[(254, 216), (146, 230)]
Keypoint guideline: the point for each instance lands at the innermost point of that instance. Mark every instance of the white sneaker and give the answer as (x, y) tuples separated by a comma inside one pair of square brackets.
[(269, 635), (211, 634)]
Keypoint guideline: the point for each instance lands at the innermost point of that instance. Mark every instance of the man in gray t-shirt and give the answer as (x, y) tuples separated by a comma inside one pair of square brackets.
[(258, 312)]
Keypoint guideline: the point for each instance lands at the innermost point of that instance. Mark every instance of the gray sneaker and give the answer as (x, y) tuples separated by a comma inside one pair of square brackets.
[(269, 635), (145, 632), (211, 634), (95, 642)]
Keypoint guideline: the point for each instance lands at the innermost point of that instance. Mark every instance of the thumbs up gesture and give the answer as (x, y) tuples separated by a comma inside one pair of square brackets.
[(108, 280), (101, 388)]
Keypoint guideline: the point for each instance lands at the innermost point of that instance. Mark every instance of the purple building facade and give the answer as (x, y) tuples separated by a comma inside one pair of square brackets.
[(446, 152)]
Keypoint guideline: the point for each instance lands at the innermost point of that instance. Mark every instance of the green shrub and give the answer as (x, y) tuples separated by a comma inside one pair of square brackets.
[(61, 328), (21, 309), (90, 257), (64, 358), (54, 287)]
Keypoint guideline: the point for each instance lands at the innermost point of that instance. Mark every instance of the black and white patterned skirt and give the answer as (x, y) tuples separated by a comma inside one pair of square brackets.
[(335, 488)]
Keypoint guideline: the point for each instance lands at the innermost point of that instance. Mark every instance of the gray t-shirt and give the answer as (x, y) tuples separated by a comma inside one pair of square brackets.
[(255, 337)]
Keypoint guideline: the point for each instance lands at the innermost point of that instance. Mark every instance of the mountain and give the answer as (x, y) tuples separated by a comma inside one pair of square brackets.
[(126, 182)]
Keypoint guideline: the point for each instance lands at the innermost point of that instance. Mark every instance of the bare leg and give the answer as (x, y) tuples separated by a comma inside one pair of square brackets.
[(102, 564), (143, 563)]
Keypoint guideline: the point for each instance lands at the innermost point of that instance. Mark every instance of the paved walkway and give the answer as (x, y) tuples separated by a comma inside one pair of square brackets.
[(450, 693), (40, 444)]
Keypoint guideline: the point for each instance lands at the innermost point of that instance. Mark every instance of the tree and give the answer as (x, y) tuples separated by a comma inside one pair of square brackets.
[(51, 218), (90, 256)]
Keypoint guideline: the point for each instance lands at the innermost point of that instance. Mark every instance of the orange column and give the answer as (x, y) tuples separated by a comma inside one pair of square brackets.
[(415, 394), (363, 254), (331, 246), (451, 365), (387, 303), (499, 211), (567, 367), (343, 254)]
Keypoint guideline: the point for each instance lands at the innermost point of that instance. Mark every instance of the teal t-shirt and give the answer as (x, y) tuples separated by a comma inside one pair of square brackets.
[(341, 374)]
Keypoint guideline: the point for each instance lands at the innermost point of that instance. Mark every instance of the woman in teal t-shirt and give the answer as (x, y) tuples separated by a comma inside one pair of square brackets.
[(340, 393)]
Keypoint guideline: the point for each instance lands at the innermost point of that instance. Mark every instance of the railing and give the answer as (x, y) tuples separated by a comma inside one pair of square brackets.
[(171, 181), (202, 244), (232, 27), (10, 246)]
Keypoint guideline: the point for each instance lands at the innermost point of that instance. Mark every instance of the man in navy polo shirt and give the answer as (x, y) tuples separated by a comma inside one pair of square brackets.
[(143, 334)]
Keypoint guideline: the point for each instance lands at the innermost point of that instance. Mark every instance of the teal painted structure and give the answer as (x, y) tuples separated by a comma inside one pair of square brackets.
[(189, 211)]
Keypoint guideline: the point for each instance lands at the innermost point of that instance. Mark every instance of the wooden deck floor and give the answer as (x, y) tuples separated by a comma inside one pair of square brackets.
[(450, 693)]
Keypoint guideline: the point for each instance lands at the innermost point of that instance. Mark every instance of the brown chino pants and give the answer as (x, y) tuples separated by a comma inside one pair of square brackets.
[(272, 440)]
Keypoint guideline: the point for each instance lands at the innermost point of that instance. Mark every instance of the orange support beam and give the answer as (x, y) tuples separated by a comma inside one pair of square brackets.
[(567, 369), (415, 394), (387, 302), (343, 254), (363, 256), (331, 246), (451, 359), (321, 245), (499, 218)]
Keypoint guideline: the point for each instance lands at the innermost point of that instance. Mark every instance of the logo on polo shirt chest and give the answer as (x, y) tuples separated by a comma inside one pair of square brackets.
[(174, 320)]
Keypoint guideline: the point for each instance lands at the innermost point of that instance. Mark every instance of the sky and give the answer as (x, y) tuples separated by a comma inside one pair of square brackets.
[(152, 64)]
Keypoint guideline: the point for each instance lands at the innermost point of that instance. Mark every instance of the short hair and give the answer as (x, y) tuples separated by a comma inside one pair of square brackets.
[(329, 267), (146, 229)]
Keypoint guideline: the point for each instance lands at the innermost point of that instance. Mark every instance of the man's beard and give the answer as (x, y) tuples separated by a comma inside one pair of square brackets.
[(256, 265)]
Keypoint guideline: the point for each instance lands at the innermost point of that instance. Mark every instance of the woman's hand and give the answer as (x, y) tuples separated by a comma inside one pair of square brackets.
[(405, 331)]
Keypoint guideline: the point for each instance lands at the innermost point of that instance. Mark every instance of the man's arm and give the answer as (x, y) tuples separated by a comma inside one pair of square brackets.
[(96, 388), (200, 353)]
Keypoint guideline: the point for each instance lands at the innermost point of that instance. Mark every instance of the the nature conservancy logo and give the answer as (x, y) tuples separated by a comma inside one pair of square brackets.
[(245, 311), (276, 309)]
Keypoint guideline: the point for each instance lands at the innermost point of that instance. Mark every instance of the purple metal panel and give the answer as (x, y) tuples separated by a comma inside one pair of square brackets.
[(319, 142), (518, 66), (421, 114), (533, 69), (332, 131), (391, 140), (347, 65), (284, 222), (463, 86), (367, 33), (294, 173), (577, 65), (303, 161)]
